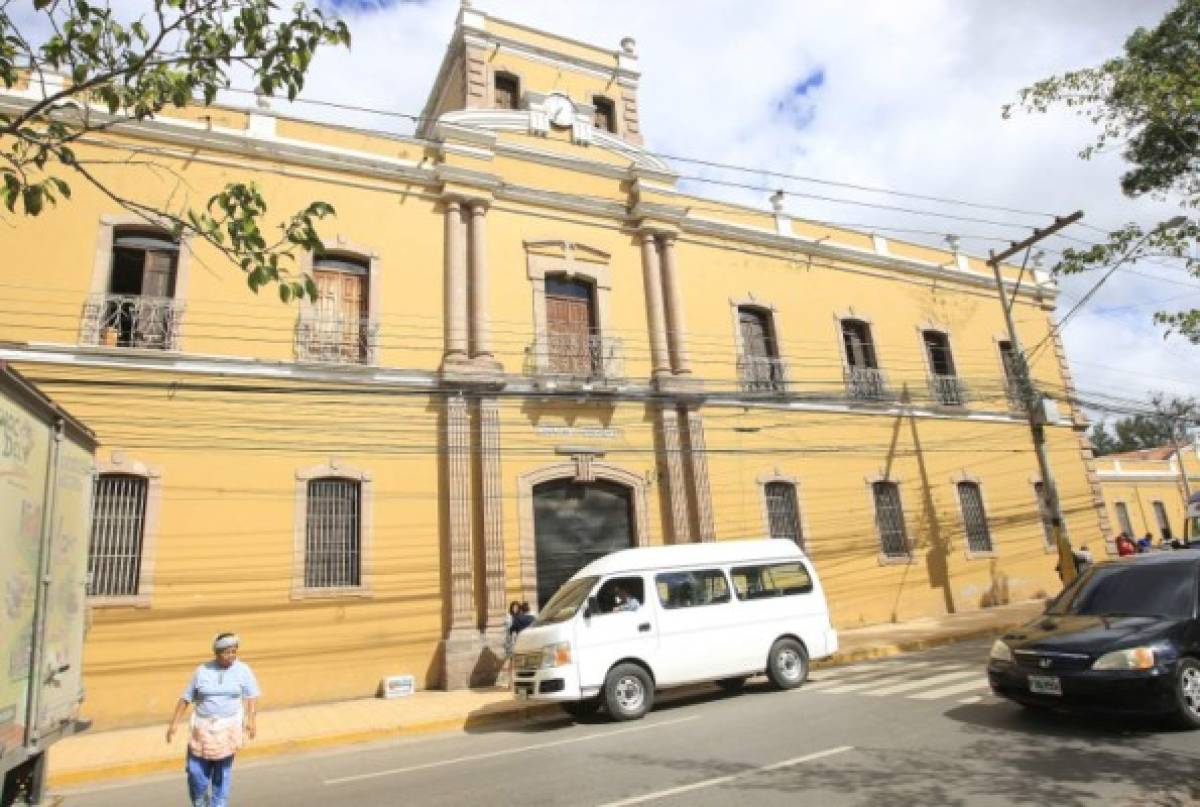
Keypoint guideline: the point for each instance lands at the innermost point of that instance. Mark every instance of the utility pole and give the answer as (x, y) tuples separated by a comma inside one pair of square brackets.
[(1030, 397)]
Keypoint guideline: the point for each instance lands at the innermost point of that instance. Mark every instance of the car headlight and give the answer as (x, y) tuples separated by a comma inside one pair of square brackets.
[(556, 655), (1001, 651), (1131, 658)]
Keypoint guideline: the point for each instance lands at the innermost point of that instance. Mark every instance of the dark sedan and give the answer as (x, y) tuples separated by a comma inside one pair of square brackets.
[(1122, 638)]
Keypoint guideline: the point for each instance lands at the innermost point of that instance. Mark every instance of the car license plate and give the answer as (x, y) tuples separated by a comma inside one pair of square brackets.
[(1045, 684)]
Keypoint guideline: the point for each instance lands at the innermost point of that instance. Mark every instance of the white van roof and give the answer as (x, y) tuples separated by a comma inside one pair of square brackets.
[(719, 552)]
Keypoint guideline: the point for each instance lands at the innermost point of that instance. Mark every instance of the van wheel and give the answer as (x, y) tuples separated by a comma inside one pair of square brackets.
[(1187, 694), (584, 708), (787, 666), (628, 692), (734, 684)]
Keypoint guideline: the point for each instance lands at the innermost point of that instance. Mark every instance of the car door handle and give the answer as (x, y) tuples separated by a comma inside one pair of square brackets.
[(644, 627)]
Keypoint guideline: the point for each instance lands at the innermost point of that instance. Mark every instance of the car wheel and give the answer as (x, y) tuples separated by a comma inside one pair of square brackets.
[(734, 684), (1187, 693), (628, 692), (584, 708), (787, 666)]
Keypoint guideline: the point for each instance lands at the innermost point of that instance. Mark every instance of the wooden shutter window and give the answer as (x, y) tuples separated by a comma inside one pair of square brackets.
[(570, 326)]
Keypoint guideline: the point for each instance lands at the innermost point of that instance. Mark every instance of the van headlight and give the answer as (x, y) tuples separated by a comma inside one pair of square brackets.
[(1001, 652), (1131, 658), (556, 655)]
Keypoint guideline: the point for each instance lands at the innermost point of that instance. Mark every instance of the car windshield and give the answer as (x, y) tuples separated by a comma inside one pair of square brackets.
[(1131, 589), (566, 601)]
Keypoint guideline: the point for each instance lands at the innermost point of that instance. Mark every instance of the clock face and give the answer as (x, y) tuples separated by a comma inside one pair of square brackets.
[(559, 109)]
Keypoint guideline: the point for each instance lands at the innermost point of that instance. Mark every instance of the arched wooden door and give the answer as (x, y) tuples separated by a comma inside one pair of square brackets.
[(576, 523)]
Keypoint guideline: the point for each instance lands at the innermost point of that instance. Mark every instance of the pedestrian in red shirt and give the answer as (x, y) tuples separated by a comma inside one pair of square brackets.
[(1125, 546)]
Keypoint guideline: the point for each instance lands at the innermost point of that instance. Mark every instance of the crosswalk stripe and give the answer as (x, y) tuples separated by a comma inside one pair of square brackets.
[(922, 683), (951, 690), (840, 687)]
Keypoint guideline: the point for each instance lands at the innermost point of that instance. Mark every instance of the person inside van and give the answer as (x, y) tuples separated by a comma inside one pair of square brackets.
[(624, 601)]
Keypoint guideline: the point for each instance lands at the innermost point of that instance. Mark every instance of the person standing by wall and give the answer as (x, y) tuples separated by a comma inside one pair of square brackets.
[(224, 694)]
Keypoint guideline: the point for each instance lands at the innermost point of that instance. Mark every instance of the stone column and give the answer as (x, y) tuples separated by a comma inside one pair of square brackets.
[(481, 338), (493, 520), (676, 326), (660, 357), (458, 458), (455, 282), (676, 484), (698, 457)]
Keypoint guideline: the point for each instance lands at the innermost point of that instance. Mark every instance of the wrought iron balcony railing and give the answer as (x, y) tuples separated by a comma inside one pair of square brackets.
[(865, 384), (948, 390), (761, 373), (322, 337), (576, 358), (130, 320)]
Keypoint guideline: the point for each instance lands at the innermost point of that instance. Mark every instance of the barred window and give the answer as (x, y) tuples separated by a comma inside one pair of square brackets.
[(783, 513), (979, 538), (118, 530), (1164, 523), (333, 539), (889, 518)]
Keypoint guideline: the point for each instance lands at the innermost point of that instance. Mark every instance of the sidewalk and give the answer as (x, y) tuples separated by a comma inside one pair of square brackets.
[(96, 756)]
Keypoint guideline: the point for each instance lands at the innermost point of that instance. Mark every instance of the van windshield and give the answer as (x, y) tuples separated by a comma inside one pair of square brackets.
[(566, 601)]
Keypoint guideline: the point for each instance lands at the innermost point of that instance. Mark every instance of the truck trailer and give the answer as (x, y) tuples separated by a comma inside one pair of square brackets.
[(46, 472)]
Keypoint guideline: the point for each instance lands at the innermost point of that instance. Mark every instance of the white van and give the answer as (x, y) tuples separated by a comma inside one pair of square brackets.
[(648, 618)]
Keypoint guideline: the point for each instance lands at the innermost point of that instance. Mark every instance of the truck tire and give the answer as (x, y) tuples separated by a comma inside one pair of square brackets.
[(628, 692), (787, 665)]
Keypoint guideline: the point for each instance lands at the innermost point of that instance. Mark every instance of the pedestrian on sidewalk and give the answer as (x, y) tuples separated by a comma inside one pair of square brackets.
[(1125, 546), (224, 694), (1083, 559)]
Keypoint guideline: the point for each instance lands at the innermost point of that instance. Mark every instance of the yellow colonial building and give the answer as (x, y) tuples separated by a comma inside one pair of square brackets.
[(530, 348), (1146, 492)]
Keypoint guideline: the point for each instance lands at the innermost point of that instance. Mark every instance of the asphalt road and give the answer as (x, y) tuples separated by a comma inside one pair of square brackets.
[(917, 729)]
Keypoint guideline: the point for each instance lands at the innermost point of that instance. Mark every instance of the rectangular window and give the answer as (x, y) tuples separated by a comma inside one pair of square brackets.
[(1164, 523), (508, 91), (118, 529), (889, 518), (979, 538), (690, 589), (333, 539), (1123, 518), (783, 512), (621, 594), (1044, 512), (759, 365), (604, 117), (774, 580)]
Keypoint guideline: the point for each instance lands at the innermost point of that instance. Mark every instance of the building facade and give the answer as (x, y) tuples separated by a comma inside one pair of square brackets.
[(1146, 492), (530, 347)]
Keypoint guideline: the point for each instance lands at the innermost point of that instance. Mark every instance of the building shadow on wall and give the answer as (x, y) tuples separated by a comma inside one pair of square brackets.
[(929, 526)]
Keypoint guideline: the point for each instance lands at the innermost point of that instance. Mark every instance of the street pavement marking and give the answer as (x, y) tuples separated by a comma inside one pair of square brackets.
[(840, 687), (957, 689), (921, 683), (720, 780), (972, 699), (600, 735)]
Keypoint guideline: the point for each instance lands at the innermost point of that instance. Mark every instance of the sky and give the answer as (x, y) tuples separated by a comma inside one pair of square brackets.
[(902, 96)]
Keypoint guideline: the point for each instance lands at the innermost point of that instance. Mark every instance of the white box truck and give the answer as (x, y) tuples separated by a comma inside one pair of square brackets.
[(46, 466)]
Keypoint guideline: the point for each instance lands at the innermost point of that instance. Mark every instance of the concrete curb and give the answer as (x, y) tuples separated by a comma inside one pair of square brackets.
[(504, 715)]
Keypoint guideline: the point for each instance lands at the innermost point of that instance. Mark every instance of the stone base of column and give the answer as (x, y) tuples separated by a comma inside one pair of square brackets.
[(480, 372), (472, 658), (677, 384)]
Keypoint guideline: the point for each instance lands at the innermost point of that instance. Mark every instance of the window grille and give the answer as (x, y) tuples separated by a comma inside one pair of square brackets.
[(1123, 518), (333, 538), (783, 512), (979, 538), (1044, 512), (889, 517), (118, 529), (1164, 523)]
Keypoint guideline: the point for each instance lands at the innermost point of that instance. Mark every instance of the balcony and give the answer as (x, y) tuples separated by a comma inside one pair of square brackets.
[(761, 374), (947, 390), (576, 360), (133, 321), (865, 384), (333, 339)]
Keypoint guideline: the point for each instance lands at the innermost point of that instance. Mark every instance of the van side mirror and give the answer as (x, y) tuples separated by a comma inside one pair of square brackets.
[(592, 607)]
